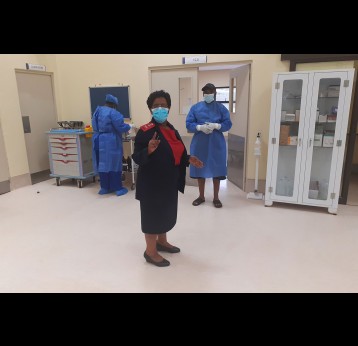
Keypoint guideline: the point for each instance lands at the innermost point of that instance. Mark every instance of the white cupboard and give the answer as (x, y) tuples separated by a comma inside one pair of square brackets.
[(308, 127)]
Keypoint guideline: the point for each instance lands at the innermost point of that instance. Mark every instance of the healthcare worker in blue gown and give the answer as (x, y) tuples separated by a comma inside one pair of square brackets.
[(108, 126), (208, 120)]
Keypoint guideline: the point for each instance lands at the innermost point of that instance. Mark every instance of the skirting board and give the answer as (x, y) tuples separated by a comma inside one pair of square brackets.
[(250, 185), (20, 181), (4, 186)]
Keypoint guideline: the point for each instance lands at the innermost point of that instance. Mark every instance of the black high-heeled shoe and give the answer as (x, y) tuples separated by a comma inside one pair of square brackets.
[(162, 263), (173, 249)]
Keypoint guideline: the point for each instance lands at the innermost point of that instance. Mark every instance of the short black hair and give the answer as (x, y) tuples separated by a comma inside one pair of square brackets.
[(156, 94)]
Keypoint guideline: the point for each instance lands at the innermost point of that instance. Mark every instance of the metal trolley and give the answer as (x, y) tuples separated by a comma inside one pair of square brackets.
[(70, 154), (130, 166)]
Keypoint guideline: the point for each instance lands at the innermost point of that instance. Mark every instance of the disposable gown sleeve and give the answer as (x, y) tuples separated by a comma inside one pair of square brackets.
[(140, 155), (118, 122), (226, 123), (191, 121)]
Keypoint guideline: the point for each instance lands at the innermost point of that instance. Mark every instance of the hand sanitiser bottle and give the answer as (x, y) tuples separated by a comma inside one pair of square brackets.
[(257, 153)]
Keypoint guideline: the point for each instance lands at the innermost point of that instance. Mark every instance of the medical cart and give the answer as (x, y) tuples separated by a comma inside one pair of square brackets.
[(70, 155)]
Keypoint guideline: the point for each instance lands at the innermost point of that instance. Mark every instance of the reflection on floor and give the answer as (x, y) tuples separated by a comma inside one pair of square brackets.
[(353, 190), (70, 239)]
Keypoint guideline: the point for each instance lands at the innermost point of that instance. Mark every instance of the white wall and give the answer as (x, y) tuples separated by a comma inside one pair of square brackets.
[(74, 74)]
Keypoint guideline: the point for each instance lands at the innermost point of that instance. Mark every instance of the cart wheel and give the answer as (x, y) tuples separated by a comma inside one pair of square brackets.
[(80, 183), (58, 181), (133, 187)]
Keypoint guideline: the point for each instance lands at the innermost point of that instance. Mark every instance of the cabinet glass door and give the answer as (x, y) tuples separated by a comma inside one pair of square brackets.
[(324, 130), (290, 110)]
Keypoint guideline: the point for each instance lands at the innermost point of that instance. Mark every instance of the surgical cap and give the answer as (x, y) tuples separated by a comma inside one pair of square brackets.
[(112, 99)]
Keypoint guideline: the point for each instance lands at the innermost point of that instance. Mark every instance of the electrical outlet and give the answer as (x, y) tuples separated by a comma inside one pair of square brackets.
[(259, 134)]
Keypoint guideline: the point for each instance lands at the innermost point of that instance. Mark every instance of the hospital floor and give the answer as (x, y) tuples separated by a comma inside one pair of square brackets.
[(66, 239)]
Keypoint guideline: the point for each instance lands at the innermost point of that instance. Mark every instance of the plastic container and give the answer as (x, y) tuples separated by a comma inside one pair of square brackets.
[(89, 128)]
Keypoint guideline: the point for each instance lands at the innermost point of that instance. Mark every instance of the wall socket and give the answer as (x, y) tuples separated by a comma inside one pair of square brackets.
[(259, 134)]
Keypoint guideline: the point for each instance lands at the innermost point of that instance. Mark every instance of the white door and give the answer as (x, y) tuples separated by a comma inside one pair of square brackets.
[(4, 168), (288, 108), (182, 85), (38, 112), (237, 138), (325, 137)]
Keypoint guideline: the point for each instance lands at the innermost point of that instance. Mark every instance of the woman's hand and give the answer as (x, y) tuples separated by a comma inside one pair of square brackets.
[(153, 143), (193, 160)]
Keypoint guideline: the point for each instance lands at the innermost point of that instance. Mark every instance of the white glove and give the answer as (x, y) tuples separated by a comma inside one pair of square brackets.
[(204, 128), (214, 126)]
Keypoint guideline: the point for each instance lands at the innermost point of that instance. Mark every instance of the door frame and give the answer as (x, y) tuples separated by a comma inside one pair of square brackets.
[(229, 65)]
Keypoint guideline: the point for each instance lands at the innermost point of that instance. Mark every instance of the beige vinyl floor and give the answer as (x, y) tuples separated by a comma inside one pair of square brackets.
[(66, 239)]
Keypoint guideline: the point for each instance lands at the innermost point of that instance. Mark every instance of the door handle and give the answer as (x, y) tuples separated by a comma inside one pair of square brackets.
[(26, 124)]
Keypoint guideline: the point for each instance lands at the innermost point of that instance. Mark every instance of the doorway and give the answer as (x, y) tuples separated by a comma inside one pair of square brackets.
[(38, 111), (184, 84)]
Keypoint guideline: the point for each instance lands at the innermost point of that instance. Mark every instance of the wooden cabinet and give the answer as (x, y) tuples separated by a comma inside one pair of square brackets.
[(308, 127)]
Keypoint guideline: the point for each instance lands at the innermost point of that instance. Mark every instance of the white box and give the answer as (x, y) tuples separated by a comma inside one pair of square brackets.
[(318, 138), (290, 117), (292, 140), (328, 141), (322, 118)]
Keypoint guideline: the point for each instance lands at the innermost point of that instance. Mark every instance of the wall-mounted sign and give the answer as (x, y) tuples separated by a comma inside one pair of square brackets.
[(201, 59), (35, 67)]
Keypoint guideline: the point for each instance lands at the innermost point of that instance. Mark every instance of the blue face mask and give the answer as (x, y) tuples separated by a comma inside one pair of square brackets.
[(160, 114), (208, 98)]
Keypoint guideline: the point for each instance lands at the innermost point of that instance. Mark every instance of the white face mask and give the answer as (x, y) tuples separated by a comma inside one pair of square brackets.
[(208, 98)]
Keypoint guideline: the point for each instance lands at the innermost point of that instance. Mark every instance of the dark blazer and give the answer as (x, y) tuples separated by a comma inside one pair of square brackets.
[(157, 175)]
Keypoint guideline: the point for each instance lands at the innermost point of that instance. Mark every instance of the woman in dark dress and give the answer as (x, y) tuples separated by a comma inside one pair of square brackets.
[(162, 159)]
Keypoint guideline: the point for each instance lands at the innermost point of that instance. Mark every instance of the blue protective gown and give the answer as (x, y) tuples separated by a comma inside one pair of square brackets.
[(108, 125), (211, 148)]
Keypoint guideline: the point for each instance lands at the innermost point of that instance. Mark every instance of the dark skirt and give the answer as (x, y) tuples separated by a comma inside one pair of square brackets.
[(159, 215)]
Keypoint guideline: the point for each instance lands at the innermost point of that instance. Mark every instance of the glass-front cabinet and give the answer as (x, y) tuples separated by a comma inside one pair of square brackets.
[(309, 118)]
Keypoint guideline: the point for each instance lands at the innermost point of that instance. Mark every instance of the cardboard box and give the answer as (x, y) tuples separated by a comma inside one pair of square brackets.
[(331, 118), (284, 133), (292, 140)]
